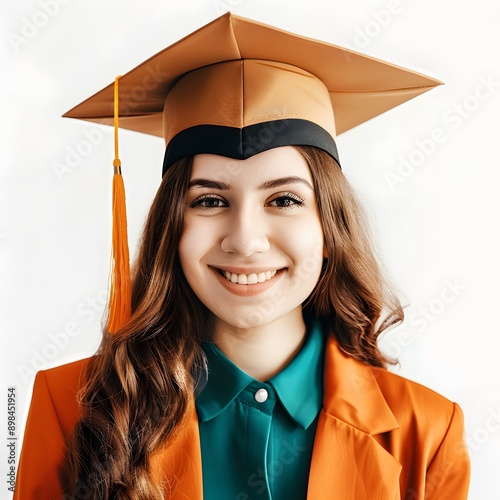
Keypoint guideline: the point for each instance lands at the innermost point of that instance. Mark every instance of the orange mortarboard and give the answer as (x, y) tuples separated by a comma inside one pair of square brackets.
[(237, 87)]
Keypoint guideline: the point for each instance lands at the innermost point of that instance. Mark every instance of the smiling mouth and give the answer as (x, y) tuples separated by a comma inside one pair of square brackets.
[(248, 279)]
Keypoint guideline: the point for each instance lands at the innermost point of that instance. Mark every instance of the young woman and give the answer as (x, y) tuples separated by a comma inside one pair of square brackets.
[(249, 366)]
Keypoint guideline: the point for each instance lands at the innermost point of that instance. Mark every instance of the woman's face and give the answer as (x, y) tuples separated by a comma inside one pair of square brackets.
[(252, 242)]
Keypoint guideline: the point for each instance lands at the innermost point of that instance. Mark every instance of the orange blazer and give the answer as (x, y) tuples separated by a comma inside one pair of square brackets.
[(379, 437)]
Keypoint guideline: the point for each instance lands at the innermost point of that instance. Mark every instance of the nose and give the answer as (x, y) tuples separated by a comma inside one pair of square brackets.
[(246, 234)]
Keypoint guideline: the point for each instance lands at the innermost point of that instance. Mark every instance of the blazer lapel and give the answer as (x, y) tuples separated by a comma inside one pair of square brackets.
[(178, 466), (348, 462)]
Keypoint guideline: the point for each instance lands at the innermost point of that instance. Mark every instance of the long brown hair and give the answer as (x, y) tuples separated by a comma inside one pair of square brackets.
[(140, 383), (352, 295)]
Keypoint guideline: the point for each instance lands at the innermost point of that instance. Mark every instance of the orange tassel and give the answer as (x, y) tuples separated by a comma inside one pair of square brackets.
[(120, 295)]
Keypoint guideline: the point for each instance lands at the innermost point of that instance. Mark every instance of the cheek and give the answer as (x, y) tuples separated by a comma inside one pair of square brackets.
[(310, 263), (197, 241), (303, 238), (304, 243)]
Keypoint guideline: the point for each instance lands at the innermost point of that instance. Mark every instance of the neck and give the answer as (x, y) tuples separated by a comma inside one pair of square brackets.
[(263, 351)]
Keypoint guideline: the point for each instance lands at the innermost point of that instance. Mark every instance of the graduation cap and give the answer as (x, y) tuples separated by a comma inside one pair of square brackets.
[(237, 87)]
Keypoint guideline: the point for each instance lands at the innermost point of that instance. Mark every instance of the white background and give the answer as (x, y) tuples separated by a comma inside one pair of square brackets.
[(437, 227)]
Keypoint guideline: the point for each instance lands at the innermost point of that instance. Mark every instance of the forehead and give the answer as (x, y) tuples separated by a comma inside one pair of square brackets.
[(271, 164)]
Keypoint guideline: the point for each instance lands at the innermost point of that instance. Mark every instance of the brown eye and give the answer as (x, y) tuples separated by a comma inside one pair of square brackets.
[(209, 201), (286, 201), (283, 202)]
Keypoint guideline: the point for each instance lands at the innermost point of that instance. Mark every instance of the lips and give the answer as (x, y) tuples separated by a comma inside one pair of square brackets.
[(247, 279)]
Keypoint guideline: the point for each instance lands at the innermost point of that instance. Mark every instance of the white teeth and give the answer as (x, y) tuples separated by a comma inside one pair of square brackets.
[(249, 279)]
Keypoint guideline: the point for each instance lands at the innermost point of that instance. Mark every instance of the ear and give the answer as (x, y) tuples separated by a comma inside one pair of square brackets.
[(325, 252)]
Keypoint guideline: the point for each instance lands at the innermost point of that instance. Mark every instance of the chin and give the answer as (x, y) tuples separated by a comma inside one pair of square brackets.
[(245, 320), (255, 316)]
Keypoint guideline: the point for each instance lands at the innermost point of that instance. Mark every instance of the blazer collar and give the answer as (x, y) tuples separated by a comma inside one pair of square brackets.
[(352, 393), (347, 460)]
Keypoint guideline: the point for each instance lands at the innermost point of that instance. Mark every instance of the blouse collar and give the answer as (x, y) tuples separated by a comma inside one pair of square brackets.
[(299, 385)]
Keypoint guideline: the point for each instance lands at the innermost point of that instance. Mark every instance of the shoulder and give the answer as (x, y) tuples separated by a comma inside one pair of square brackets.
[(56, 391), (384, 400), (63, 380), (429, 440), (67, 375), (402, 394), (53, 412), (422, 414)]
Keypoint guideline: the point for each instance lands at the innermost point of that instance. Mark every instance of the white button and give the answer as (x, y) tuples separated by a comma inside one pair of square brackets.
[(261, 395)]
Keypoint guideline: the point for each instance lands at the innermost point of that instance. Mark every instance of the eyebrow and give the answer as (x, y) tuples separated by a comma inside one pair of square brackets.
[(271, 184)]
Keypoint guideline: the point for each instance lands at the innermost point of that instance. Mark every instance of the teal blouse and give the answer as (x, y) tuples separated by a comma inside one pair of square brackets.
[(257, 437)]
